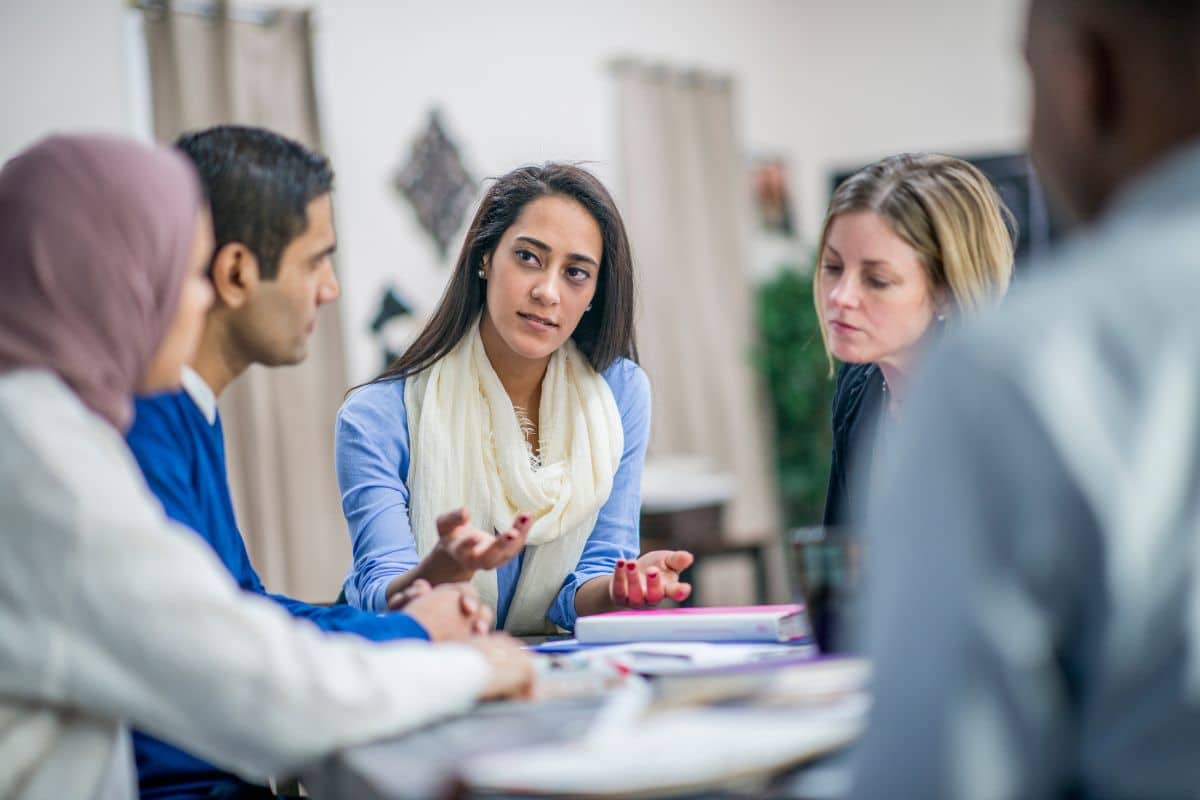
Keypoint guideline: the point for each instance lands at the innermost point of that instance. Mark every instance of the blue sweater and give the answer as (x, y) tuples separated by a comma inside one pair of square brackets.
[(182, 456), (372, 466)]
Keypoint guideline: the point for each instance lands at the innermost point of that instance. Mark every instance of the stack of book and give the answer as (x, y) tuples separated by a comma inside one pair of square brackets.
[(776, 623)]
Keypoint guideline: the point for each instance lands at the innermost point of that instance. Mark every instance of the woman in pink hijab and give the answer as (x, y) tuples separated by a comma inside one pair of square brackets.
[(101, 242), (109, 612)]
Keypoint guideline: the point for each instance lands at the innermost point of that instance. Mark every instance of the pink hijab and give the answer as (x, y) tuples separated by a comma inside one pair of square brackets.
[(95, 233)]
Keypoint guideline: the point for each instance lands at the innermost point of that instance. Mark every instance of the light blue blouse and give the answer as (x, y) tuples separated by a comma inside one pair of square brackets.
[(372, 468)]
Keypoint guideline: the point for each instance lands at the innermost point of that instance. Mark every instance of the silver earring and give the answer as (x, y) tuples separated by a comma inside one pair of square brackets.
[(482, 276), (589, 308), (941, 317)]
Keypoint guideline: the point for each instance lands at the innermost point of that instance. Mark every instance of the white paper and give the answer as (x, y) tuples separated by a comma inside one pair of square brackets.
[(671, 658)]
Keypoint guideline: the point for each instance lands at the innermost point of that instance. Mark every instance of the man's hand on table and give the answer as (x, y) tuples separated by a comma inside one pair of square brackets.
[(511, 674), (448, 612)]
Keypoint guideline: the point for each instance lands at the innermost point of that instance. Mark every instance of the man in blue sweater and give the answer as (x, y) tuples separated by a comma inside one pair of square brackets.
[(271, 272)]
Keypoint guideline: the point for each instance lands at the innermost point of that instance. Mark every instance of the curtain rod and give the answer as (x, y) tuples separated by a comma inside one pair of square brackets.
[(661, 70), (207, 9)]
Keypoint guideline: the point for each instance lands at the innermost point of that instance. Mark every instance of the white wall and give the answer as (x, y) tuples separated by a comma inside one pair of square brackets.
[(63, 68), (824, 83)]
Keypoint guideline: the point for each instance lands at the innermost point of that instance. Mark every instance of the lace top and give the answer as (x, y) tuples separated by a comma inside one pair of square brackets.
[(528, 429)]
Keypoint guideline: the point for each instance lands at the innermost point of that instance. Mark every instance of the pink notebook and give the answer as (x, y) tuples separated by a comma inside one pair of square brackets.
[(781, 623)]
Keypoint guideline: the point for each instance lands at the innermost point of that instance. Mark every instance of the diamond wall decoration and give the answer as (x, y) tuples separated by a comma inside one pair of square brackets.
[(436, 183)]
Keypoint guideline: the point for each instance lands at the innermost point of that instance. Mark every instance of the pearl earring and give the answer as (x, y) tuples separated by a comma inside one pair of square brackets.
[(482, 276), (941, 317), (589, 308)]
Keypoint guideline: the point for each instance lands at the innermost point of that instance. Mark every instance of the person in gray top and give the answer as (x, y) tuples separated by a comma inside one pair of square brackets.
[(1034, 600)]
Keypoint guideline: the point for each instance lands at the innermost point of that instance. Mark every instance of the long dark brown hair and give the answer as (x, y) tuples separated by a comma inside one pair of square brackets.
[(604, 334)]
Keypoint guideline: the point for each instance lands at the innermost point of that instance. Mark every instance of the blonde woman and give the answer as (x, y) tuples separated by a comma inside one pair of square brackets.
[(909, 243)]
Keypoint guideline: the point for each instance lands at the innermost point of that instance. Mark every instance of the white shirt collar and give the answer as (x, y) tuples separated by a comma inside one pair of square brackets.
[(201, 394)]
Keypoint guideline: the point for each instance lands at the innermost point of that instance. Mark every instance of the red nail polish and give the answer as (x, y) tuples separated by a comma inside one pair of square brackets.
[(620, 562), (652, 573), (523, 519), (631, 565)]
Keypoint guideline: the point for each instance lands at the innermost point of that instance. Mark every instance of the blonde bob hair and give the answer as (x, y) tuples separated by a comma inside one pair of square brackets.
[(943, 208)]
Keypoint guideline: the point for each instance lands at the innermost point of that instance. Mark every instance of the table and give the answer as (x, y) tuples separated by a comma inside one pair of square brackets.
[(419, 766), (422, 764)]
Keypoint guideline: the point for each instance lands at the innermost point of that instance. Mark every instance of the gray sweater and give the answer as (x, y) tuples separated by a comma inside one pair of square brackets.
[(1034, 598)]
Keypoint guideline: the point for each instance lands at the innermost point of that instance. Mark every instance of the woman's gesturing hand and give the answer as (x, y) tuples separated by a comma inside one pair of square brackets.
[(649, 579), (471, 548), (461, 549)]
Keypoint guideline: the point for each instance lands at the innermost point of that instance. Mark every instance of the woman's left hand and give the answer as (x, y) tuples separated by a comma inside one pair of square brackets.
[(649, 579)]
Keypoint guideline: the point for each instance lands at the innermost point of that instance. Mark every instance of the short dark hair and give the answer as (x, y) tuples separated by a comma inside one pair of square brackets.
[(259, 185), (603, 335), (1176, 20), (1166, 10)]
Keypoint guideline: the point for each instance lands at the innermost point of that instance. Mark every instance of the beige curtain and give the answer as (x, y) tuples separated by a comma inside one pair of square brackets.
[(684, 198), (211, 64)]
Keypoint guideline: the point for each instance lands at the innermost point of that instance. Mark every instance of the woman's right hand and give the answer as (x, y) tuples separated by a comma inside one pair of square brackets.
[(470, 548), (461, 549), (511, 668)]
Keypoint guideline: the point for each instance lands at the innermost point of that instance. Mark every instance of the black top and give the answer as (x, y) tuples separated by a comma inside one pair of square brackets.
[(858, 404)]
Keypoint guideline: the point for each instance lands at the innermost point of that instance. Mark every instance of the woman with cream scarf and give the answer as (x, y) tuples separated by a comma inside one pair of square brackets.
[(520, 416)]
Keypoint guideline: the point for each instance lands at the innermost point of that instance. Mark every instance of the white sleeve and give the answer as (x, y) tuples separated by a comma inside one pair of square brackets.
[(107, 606)]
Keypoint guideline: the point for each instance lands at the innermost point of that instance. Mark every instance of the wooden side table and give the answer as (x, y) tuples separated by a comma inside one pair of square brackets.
[(683, 502), (699, 530)]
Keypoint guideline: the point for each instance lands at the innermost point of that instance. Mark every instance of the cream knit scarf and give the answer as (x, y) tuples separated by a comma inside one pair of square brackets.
[(467, 449)]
